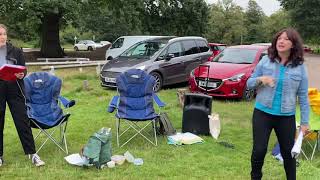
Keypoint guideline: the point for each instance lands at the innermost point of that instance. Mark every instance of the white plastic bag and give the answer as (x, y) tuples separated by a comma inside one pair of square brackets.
[(214, 125)]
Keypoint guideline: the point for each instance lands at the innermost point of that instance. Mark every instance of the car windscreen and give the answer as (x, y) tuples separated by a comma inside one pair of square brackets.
[(145, 49), (236, 56)]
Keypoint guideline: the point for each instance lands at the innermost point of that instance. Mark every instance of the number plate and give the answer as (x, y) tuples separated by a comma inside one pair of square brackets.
[(110, 80), (210, 84)]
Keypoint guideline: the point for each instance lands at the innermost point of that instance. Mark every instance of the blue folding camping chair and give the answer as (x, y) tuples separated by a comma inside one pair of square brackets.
[(134, 104), (43, 100)]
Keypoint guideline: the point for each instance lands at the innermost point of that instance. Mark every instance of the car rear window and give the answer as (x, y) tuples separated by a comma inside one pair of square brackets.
[(237, 56), (190, 47), (202, 45)]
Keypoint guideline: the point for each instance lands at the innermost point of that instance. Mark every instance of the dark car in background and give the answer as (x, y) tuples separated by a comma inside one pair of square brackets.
[(169, 59), (227, 74)]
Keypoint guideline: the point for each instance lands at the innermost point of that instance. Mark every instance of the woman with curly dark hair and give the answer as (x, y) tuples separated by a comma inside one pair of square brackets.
[(279, 79)]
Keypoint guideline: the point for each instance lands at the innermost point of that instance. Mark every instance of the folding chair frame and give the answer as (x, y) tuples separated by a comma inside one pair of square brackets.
[(313, 145), (139, 130), (63, 128)]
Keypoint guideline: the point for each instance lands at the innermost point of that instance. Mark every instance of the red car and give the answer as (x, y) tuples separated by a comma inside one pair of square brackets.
[(226, 75), (216, 49)]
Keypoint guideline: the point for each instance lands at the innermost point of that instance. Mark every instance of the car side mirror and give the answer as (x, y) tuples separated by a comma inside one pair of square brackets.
[(160, 58), (169, 56)]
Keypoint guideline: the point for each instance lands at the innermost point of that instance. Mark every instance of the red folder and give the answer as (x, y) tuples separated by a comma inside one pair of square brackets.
[(7, 71)]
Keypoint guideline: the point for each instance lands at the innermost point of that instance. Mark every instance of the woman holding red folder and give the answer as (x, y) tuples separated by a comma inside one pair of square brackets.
[(11, 92)]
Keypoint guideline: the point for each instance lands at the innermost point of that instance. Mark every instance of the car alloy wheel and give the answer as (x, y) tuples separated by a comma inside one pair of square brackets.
[(157, 86), (76, 48), (248, 94), (90, 48)]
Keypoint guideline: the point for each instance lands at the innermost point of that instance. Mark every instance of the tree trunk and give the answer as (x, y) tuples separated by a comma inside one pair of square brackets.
[(50, 41)]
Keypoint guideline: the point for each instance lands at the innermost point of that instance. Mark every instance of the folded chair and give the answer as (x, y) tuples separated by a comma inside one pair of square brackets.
[(312, 139), (134, 105), (43, 100)]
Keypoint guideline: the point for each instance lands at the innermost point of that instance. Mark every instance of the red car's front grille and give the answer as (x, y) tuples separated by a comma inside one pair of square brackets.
[(209, 84)]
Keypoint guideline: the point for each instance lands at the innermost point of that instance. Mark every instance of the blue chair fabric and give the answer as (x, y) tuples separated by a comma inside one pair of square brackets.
[(135, 100), (42, 93)]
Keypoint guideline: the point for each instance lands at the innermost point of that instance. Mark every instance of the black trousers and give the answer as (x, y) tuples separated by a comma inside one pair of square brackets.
[(262, 125), (10, 93)]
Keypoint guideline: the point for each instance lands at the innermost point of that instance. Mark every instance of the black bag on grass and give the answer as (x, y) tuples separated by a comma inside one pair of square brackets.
[(165, 126)]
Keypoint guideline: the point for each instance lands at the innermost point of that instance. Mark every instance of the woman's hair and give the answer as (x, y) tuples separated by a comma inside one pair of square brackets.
[(296, 53), (4, 27)]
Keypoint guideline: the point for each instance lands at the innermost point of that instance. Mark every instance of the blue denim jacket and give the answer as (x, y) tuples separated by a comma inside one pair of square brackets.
[(295, 84)]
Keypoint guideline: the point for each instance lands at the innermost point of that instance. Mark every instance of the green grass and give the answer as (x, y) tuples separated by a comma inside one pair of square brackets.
[(199, 161)]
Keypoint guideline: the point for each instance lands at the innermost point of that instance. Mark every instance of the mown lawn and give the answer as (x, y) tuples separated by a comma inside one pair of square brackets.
[(209, 160)]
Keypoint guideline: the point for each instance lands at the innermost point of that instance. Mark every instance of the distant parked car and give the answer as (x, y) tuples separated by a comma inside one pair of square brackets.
[(216, 49), (262, 44), (169, 59), (123, 43), (227, 74), (307, 49), (85, 45)]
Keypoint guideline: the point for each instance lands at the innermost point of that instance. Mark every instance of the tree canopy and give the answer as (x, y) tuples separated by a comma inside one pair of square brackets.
[(55, 21)]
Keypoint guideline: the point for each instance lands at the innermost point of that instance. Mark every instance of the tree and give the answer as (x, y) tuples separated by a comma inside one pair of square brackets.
[(276, 22), (305, 17), (44, 16), (254, 20), (226, 23)]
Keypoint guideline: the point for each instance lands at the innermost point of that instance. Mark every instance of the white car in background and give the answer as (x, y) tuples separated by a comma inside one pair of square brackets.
[(85, 45), (123, 43)]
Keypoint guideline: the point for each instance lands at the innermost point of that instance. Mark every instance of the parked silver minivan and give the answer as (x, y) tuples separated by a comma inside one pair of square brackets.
[(123, 43), (169, 59)]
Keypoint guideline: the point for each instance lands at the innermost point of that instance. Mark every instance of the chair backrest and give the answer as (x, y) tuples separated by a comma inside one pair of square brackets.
[(135, 87), (42, 90)]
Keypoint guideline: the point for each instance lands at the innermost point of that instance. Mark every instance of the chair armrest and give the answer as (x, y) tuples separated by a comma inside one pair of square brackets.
[(113, 104), (66, 102), (157, 100)]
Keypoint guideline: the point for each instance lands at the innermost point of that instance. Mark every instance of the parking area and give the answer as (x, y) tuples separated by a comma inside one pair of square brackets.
[(313, 65)]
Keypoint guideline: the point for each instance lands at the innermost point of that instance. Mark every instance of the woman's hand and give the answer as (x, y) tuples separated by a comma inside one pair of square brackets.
[(267, 80), (19, 75), (304, 129)]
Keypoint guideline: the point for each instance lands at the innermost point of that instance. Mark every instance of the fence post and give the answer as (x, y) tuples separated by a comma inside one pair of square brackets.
[(52, 70), (80, 69), (98, 69)]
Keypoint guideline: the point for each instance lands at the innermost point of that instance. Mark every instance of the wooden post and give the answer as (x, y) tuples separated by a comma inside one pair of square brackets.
[(52, 70), (80, 68), (86, 85), (98, 69)]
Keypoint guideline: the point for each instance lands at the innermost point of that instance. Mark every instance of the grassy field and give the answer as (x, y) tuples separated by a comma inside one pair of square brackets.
[(208, 160)]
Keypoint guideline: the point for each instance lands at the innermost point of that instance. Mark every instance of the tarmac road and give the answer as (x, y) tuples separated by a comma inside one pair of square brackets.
[(313, 65)]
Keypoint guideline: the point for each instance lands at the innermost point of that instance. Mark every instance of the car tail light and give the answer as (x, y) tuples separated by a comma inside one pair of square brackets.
[(210, 58)]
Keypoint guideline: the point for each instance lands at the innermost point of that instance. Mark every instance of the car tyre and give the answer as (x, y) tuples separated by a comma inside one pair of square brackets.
[(157, 86), (248, 94), (76, 48), (90, 48)]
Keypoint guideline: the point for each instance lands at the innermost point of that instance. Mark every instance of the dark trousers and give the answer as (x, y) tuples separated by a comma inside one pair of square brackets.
[(11, 94), (284, 127)]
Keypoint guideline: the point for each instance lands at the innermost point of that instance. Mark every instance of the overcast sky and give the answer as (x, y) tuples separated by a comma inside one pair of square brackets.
[(268, 6)]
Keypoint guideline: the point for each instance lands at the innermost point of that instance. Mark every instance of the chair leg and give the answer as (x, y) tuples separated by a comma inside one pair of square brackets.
[(49, 136), (140, 130), (155, 132), (118, 131)]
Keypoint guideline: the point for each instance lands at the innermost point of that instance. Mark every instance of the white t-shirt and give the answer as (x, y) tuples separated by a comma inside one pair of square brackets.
[(3, 54)]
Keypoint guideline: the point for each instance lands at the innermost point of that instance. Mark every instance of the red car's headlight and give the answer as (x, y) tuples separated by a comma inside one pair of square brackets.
[(236, 78)]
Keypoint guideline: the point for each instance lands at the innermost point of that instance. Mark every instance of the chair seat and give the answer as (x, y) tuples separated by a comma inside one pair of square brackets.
[(63, 119)]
